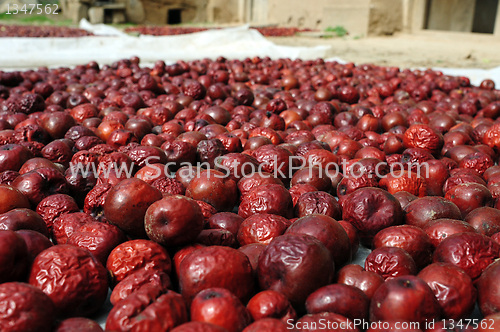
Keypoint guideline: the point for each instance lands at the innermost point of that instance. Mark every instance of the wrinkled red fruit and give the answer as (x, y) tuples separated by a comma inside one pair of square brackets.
[(357, 276), (127, 211), (341, 299), (471, 252), (453, 289), (14, 259), (404, 298), (329, 232), (271, 304), (371, 210), (78, 324), (295, 265), (220, 307), (216, 266), (174, 221), (410, 238), (29, 309), (148, 309), (488, 290), (75, 281), (135, 255)]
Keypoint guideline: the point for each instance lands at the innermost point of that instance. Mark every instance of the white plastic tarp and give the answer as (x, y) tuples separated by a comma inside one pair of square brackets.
[(474, 74), (234, 43)]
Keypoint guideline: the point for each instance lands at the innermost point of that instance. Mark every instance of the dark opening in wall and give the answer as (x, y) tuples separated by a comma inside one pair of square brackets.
[(174, 16), (108, 16), (485, 13)]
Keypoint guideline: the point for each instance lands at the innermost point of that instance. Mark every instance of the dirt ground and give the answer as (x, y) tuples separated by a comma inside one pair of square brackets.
[(422, 49)]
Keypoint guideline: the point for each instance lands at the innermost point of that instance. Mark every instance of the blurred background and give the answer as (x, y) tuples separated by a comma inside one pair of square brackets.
[(407, 33)]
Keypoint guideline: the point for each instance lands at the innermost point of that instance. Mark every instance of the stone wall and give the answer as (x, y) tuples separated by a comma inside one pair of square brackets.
[(386, 17), (451, 15), (359, 17), (223, 11), (192, 11)]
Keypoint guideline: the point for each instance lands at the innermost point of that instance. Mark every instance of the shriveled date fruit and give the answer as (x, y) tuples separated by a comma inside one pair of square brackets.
[(174, 221), (404, 181), (35, 242), (14, 259), (75, 281), (423, 210), (472, 252), (216, 266), (66, 224), (216, 237), (98, 238), (357, 276), (135, 255), (11, 198), (344, 300), (485, 220), (317, 202), (25, 308), (126, 205), (225, 220), (78, 324), (214, 188), (410, 238), (440, 229), (253, 251), (295, 265), (41, 183), (371, 210), (404, 298), (53, 206), (268, 198), (137, 280), (424, 137), (271, 304), (390, 262), (488, 288), (261, 228), (329, 232), (148, 309), (469, 196), (453, 289), (220, 307), (255, 179), (23, 219)]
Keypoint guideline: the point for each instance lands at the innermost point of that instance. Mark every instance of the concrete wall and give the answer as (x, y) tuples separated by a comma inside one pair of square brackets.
[(386, 17), (310, 14), (223, 11), (451, 15), (192, 11), (359, 17)]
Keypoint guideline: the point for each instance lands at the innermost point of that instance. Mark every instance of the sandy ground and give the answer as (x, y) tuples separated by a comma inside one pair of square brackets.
[(422, 49)]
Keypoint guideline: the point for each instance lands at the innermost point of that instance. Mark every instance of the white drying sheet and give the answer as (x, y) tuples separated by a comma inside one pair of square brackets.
[(475, 75), (232, 43)]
